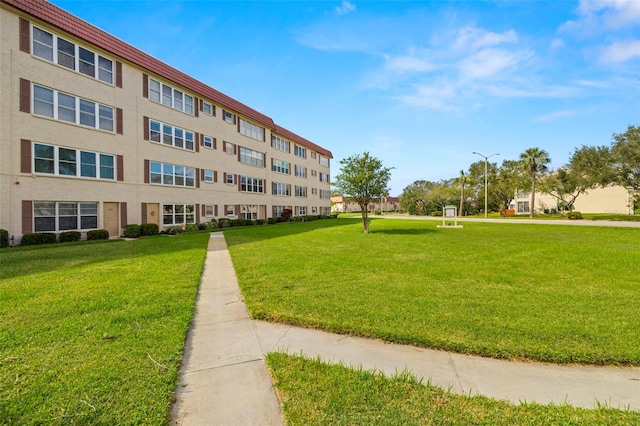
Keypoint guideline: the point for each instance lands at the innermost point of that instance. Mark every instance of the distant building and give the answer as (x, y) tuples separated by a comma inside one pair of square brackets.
[(612, 199), (96, 134), (344, 205)]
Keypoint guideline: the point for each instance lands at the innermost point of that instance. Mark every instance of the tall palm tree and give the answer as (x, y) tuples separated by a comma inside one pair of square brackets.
[(534, 161), (463, 179)]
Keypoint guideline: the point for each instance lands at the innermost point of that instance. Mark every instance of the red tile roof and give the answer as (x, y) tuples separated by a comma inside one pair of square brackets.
[(63, 20)]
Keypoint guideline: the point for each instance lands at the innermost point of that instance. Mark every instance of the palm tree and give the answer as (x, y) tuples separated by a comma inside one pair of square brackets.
[(534, 161), (463, 179)]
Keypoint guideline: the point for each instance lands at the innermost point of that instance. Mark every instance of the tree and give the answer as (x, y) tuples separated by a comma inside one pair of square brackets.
[(509, 178), (625, 152), (534, 161), (462, 180), (363, 179)]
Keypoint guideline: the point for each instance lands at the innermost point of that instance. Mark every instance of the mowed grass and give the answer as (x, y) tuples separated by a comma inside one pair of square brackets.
[(94, 333), (514, 291), (315, 393)]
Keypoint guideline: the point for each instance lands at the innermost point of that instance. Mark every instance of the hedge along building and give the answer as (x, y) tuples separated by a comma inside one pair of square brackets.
[(96, 134)]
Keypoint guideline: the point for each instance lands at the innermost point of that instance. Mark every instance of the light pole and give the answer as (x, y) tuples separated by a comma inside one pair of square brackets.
[(486, 160)]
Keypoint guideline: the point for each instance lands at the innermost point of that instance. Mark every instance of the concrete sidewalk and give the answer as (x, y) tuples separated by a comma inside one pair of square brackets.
[(224, 380)]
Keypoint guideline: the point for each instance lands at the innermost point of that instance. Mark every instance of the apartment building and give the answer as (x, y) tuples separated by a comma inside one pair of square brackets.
[(96, 134)]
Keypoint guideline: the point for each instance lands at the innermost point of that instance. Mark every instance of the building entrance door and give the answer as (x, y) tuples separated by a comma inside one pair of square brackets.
[(110, 219), (153, 214)]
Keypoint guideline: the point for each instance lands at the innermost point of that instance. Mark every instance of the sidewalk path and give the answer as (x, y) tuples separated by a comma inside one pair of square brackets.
[(224, 380)]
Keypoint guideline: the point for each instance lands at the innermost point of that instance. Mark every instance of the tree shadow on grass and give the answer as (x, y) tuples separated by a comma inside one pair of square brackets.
[(403, 231)]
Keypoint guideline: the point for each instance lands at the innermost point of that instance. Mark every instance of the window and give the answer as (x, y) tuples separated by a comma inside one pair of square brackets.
[(254, 158), (523, 207), (208, 176), (171, 174), (49, 216), (229, 148), (281, 189), (208, 141), (64, 107), (209, 210), (229, 178), (301, 191), (302, 210), (168, 96), (313, 155), (326, 211), (249, 212), (300, 151), (314, 191), (59, 161), (277, 210), (280, 144), (170, 135), (230, 210), (207, 108), (251, 130), (301, 171), (324, 177), (250, 184), (229, 117), (71, 56), (324, 161), (280, 166), (325, 194), (176, 214), (314, 173)]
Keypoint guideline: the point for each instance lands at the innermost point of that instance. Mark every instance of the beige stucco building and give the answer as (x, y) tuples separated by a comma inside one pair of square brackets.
[(96, 134), (613, 199), (345, 205)]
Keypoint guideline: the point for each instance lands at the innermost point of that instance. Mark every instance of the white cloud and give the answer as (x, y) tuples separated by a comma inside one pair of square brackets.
[(556, 43), (555, 116), (620, 51), (475, 38), (595, 17), (489, 63), (408, 63), (345, 7)]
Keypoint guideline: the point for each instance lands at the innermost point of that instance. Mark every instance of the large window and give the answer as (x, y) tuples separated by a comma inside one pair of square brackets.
[(324, 177), (324, 161), (251, 130), (60, 161), (250, 184), (64, 107), (249, 212), (171, 135), (70, 55), (280, 166), (300, 151), (169, 96), (523, 206), (176, 214), (301, 171), (301, 191), (51, 216), (280, 144), (171, 174), (254, 158), (325, 194), (281, 189)]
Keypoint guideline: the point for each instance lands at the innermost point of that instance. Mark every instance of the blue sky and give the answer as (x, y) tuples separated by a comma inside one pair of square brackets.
[(418, 84)]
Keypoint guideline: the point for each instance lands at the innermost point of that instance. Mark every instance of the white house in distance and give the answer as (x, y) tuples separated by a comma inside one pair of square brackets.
[(344, 205)]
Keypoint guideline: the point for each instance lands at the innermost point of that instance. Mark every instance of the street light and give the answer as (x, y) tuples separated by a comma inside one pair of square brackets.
[(486, 159)]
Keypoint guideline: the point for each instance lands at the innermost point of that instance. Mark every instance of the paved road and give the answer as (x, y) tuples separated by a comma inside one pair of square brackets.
[(610, 223)]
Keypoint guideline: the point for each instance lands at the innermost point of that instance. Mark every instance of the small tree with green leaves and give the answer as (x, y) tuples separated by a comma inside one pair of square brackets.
[(363, 179)]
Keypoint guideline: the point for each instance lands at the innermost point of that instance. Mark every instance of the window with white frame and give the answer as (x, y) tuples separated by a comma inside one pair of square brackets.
[(229, 117), (207, 108), (251, 130), (72, 109), (324, 161), (230, 210), (251, 184), (170, 135), (280, 166), (249, 211), (300, 151), (314, 173), (523, 206), (325, 194), (301, 171), (324, 177), (61, 161), (208, 176), (176, 214), (67, 54), (280, 144), (314, 191), (207, 141), (229, 147), (302, 210), (313, 155), (209, 210), (171, 174), (281, 189), (277, 210), (229, 178), (51, 216), (251, 157), (170, 96), (301, 191), (326, 211)]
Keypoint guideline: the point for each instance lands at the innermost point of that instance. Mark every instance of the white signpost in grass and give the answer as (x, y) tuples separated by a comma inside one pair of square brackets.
[(450, 212)]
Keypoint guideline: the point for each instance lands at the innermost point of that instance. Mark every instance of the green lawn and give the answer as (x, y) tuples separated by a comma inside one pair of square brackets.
[(94, 333), (315, 393), (538, 292)]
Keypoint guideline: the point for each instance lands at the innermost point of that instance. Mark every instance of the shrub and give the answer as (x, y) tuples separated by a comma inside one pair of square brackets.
[(98, 234), (272, 220), (202, 226), (175, 230), (69, 236), (37, 238), (241, 222), (131, 231), (147, 229), (212, 224), (286, 215), (574, 215), (224, 222), (261, 222), (4, 238)]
